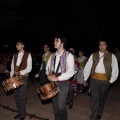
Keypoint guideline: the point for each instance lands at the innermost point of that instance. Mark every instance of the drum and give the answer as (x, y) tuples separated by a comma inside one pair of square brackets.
[(48, 90), (12, 83)]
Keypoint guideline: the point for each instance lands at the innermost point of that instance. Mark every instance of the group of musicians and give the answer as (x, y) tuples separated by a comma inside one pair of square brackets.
[(59, 68)]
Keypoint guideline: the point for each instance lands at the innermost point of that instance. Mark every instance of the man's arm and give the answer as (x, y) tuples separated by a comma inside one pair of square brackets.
[(70, 68), (29, 66), (12, 67), (87, 70), (115, 70)]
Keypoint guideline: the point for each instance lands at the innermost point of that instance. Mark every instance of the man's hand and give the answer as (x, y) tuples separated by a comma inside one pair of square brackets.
[(85, 83), (52, 77)]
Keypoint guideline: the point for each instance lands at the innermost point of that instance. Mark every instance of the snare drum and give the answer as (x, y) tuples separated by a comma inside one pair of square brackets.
[(12, 83), (48, 90)]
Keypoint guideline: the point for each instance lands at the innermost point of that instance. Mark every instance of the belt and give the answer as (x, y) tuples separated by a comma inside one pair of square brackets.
[(64, 81), (100, 76)]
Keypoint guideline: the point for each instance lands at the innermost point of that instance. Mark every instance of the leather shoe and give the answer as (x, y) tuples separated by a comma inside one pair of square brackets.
[(22, 118), (17, 116), (99, 117)]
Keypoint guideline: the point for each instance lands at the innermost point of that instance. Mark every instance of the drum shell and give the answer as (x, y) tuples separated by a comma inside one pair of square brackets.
[(48, 91), (12, 83)]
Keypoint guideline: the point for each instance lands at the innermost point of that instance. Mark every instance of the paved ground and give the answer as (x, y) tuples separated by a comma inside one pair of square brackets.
[(80, 111)]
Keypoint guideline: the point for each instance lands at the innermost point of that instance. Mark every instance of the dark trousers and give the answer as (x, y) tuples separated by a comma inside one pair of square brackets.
[(21, 97), (99, 90), (70, 95), (59, 101), (80, 87)]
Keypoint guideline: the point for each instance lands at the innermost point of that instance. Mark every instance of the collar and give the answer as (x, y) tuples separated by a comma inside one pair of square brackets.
[(60, 53), (21, 52)]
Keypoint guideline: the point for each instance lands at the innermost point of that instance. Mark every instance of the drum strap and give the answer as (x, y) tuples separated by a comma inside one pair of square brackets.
[(57, 66), (19, 66)]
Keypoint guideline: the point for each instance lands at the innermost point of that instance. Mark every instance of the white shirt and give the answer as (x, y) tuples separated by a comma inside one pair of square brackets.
[(100, 67), (70, 66), (27, 69)]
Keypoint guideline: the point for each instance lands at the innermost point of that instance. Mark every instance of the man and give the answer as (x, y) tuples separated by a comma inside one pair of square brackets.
[(3, 68), (73, 81), (60, 69), (103, 67), (45, 58), (117, 54), (21, 66)]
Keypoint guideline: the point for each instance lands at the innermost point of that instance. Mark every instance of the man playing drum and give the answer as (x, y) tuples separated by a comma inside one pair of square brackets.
[(60, 69), (21, 66)]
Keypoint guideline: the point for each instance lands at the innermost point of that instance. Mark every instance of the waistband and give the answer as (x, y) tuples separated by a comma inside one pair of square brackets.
[(64, 81), (100, 76)]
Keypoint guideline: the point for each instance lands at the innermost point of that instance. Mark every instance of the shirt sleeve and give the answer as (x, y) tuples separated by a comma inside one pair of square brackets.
[(48, 67), (70, 69), (12, 67), (29, 66), (87, 68), (115, 70)]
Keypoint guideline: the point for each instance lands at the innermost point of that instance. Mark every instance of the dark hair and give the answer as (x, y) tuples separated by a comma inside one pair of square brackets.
[(47, 45), (21, 41), (103, 40), (62, 39), (71, 52), (82, 51)]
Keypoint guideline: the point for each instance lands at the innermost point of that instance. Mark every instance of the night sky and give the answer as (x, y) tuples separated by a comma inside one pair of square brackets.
[(38, 22)]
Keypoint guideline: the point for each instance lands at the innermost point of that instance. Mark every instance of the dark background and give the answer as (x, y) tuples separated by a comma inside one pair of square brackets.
[(38, 22)]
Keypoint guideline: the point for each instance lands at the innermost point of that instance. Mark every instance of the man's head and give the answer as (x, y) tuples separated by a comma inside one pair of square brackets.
[(20, 45), (46, 47), (71, 50), (60, 42), (103, 45), (81, 53)]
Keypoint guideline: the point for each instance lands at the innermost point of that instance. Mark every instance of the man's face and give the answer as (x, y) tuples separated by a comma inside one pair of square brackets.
[(80, 53), (102, 46), (19, 46), (46, 48), (57, 43)]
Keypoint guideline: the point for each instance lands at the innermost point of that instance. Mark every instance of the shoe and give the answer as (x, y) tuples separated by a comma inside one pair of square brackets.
[(89, 92), (99, 117), (17, 116), (70, 106), (80, 91), (22, 118), (75, 95), (67, 102)]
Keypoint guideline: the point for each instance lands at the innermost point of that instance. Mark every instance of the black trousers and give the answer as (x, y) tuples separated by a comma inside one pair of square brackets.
[(99, 90), (21, 97), (59, 101)]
